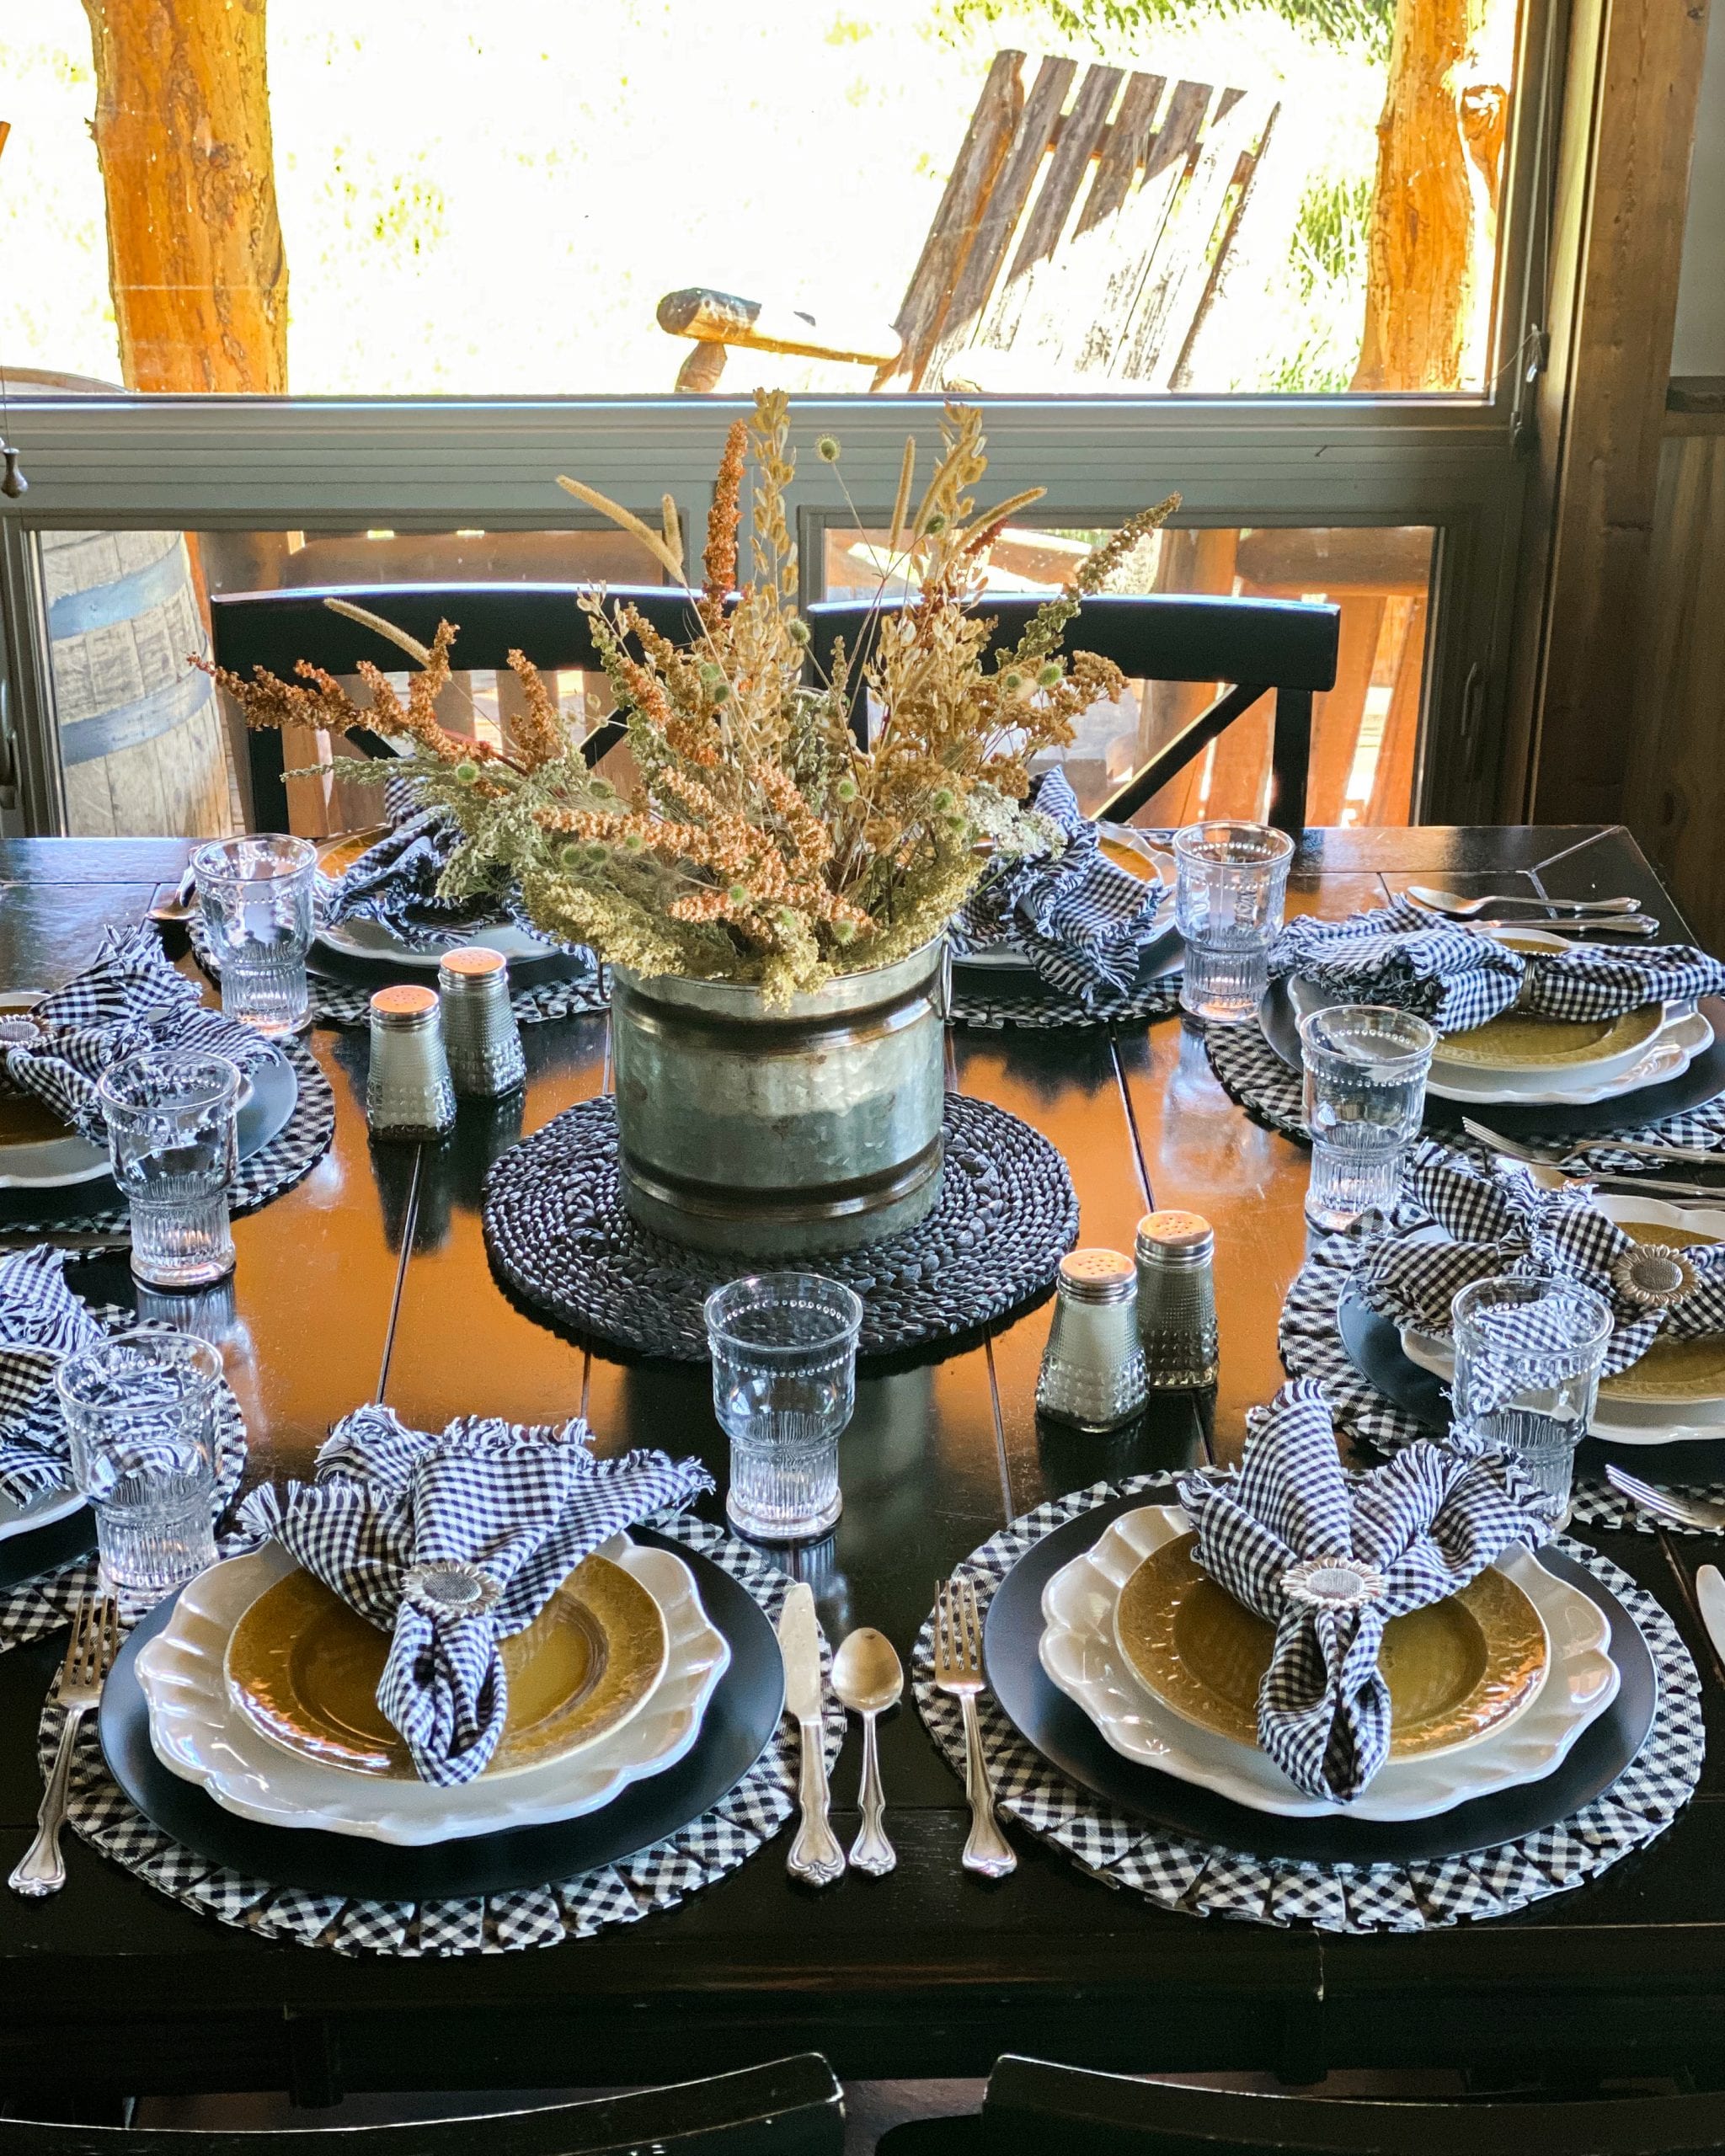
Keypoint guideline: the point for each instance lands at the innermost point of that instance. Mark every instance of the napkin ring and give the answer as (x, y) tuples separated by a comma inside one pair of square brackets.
[(1652, 1276), (1334, 1583), (450, 1589)]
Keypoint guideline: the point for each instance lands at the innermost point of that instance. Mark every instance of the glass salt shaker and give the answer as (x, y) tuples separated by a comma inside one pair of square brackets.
[(1177, 1301), (408, 1094), (480, 1035), (1093, 1368)]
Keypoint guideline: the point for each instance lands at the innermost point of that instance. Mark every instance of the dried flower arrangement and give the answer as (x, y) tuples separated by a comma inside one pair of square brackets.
[(760, 842)]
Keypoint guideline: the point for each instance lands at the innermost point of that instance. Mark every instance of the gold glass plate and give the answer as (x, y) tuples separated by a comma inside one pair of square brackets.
[(26, 1121), (305, 1668), (1456, 1669), (1517, 1040), (1671, 1369), (336, 856)]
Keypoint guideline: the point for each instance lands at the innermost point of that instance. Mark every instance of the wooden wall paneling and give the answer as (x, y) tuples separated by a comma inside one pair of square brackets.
[(1629, 108), (1675, 799)]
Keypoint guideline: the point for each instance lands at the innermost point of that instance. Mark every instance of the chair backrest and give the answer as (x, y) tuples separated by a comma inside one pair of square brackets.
[(276, 629), (1081, 239), (1031, 2108), (791, 2107), (1266, 647)]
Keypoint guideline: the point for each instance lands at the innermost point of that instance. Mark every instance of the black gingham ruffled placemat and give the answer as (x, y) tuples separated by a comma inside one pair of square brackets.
[(559, 1233), (1200, 1879), (1253, 1074), (659, 1878), (288, 1159), (1311, 1347), (345, 1003)]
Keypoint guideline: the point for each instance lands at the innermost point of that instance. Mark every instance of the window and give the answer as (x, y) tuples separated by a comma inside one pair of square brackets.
[(429, 262)]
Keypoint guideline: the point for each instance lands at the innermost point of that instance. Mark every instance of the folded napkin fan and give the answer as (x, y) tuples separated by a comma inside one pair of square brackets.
[(131, 999), (452, 1542), (41, 1323), (1081, 919), (398, 882), (1329, 1558), (1456, 978), (1504, 1222)]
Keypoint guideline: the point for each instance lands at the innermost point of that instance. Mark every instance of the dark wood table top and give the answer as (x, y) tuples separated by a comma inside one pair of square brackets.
[(370, 1280)]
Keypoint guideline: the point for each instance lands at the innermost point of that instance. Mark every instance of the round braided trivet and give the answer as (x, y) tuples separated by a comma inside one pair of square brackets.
[(348, 1004), (1311, 1347), (659, 1878), (1253, 1074), (288, 1158), (974, 1003), (557, 1230), (1202, 1880)]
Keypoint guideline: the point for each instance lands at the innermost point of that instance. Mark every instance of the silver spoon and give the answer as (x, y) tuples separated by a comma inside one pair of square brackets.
[(1461, 908), (868, 1679)]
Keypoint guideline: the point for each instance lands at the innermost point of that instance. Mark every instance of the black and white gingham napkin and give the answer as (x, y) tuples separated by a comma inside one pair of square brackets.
[(1456, 978), (1330, 1558), (1081, 921), (131, 999), (1502, 1221), (452, 1542), (41, 1323), (397, 882)]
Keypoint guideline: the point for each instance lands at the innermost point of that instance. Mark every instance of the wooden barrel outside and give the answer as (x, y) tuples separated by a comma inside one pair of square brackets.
[(142, 738)]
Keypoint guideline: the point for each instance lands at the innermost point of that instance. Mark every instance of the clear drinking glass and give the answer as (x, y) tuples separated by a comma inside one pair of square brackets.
[(256, 895), (784, 1383), (1366, 1073), (1527, 1373), (1230, 884), (174, 1144), (141, 1413)]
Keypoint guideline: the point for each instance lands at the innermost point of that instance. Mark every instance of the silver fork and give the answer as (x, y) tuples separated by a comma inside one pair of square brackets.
[(89, 1656), (958, 1669), (1665, 1504), (1634, 1186)]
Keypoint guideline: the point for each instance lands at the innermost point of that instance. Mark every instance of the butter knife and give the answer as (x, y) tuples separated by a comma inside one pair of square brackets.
[(1709, 1594), (815, 1856)]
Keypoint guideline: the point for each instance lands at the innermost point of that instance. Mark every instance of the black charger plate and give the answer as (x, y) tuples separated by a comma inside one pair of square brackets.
[(1065, 1735), (739, 1720), (353, 971), (1374, 1345), (1162, 955), (265, 1114), (39, 1549), (1693, 1088)]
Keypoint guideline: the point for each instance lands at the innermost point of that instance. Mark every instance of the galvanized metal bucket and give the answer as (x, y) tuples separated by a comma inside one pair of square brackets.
[(780, 1133)]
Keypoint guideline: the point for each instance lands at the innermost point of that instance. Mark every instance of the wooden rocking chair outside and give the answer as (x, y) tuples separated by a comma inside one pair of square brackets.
[(1077, 244)]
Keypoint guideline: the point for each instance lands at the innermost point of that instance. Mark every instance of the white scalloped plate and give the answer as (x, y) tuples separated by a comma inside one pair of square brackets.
[(1080, 1655), (197, 1732)]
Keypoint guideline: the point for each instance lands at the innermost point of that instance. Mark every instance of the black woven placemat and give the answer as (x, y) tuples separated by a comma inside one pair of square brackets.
[(557, 1232)]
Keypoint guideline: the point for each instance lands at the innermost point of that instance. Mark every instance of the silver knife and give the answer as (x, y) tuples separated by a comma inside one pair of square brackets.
[(815, 1856), (1709, 1594)]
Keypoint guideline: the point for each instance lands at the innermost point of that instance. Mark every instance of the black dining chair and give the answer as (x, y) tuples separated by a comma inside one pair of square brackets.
[(1031, 2109), (791, 2107), (275, 629), (1276, 648)]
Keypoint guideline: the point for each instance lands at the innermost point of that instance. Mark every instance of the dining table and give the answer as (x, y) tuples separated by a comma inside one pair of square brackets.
[(370, 1280)]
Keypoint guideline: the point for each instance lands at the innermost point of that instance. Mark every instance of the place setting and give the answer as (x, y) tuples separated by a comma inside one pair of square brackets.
[(92, 1072), (1546, 1038), (465, 1691), (1083, 936), (1295, 1693)]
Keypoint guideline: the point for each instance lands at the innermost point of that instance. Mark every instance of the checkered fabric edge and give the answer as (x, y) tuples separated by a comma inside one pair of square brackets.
[(994, 1010), (342, 1004), (1255, 1077), (288, 1159), (718, 1842), (1197, 1879), (1311, 1347)]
